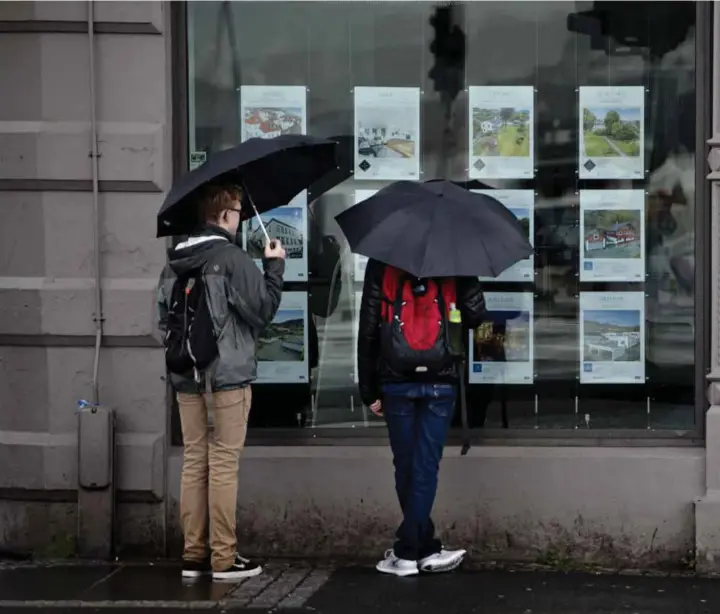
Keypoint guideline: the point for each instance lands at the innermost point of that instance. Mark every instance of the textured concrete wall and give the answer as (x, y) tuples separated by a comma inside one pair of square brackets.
[(47, 257), (609, 506)]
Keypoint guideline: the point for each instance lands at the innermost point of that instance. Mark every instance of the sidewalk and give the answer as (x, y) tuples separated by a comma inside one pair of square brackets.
[(348, 590)]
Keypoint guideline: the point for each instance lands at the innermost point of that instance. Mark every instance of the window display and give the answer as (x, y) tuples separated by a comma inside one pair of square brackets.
[(288, 224), (282, 348), (501, 349), (387, 133), (359, 261), (502, 131), (588, 138), (612, 228), (269, 111), (521, 203), (612, 132), (612, 337)]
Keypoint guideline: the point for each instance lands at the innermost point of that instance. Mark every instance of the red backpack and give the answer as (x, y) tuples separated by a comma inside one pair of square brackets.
[(414, 316)]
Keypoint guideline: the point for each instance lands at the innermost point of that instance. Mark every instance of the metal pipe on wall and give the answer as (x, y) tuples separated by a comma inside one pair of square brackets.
[(98, 316)]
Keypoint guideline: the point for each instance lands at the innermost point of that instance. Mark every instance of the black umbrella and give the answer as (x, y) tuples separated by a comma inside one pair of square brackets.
[(270, 171), (436, 229)]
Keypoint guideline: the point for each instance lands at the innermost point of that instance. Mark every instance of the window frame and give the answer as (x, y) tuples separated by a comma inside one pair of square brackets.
[(331, 436)]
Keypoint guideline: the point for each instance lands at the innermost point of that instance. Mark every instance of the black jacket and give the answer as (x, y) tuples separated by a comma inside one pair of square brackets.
[(372, 370), (242, 302)]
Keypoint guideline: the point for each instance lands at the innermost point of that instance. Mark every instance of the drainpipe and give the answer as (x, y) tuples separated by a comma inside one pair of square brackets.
[(96, 424), (98, 317)]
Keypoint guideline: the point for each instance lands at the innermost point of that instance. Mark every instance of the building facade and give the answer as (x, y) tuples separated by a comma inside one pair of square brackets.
[(593, 390)]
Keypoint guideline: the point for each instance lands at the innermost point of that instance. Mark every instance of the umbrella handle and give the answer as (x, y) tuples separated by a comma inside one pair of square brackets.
[(259, 219)]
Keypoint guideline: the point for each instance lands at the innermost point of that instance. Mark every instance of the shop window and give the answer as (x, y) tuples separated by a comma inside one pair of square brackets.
[(580, 117)]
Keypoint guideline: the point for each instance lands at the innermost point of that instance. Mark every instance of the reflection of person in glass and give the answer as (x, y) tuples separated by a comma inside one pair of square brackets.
[(417, 401)]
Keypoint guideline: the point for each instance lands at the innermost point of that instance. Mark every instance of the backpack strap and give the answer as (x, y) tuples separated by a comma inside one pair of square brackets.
[(398, 302), (441, 300)]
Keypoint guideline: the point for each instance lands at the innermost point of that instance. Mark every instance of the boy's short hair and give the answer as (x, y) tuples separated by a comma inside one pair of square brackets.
[(216, 198)]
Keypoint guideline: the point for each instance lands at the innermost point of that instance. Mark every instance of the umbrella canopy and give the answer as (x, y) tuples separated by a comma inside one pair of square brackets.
[(436, 229), (271, 171)]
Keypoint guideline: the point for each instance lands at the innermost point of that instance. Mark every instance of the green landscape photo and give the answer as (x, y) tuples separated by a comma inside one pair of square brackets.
[(501, 132), (612, 132)]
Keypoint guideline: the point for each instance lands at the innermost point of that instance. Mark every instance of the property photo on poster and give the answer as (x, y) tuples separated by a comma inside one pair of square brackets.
[(612, 132), (501, 135), (359, 261), (267, 111), (521, 204), (387, 133), (612, 227), (288, 224), (612, 337), (501, 348), (282, 346)]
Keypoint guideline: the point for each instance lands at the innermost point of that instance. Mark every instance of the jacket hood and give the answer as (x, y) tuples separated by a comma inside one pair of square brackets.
[(194, 252)]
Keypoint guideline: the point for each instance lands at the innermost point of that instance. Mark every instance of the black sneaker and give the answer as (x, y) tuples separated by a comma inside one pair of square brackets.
[(241, 568), (195, 569)]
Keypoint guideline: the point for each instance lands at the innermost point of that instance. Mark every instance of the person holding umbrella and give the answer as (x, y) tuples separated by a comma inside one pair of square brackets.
[(244, 302), (213, 304), (427, 244)]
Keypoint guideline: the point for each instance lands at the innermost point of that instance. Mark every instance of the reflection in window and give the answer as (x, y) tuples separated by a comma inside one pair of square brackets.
[(555, 52)]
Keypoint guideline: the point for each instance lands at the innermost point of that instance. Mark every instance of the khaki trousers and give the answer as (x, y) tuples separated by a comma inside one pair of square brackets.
[(209, 485)]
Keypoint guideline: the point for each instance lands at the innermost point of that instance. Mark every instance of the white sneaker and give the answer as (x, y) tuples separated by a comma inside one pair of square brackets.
[(397, 566), (445, 560), (241, 568)]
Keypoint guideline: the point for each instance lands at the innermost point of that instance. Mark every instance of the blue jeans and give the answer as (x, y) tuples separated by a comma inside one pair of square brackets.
[(418, 417)]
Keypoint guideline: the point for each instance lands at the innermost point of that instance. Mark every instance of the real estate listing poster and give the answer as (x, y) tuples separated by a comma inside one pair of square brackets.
[(282, 346), (501, 348), (387, 133), (612, 337), (502, 138), (267, 111), (612, 227), (360, 261), (612, 132), (356, 328), (521, 204), (288, 224)]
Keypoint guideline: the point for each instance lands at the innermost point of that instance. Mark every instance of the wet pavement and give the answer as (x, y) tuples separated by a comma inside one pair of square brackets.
[(300, 587)]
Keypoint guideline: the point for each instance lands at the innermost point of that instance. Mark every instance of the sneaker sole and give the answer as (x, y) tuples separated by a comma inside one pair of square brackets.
[(236, 575), (438, 568), (194, 574), (402, 573)]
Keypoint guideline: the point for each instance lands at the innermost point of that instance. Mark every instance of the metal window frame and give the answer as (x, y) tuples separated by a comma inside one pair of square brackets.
[(519, 437)]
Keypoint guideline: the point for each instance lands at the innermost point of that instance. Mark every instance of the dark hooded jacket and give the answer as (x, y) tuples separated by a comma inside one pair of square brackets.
[(372, 369), (241, 299)]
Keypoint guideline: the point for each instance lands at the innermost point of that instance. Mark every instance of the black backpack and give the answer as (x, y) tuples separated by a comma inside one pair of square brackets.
[(190, 342)]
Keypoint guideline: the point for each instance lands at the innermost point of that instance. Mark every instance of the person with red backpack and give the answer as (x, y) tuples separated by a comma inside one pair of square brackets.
[(408, 373)]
